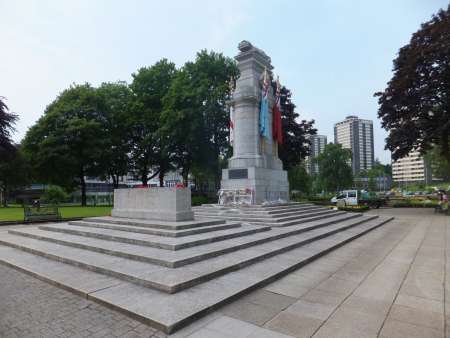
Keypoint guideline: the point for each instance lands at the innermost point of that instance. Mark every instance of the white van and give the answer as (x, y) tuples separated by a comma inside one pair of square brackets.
[(346, 197)]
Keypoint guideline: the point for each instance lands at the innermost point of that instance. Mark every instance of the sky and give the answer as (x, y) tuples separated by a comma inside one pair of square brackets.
[(333, 54)]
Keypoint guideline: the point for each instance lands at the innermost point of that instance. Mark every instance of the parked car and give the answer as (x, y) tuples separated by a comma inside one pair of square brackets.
[(358, 197)]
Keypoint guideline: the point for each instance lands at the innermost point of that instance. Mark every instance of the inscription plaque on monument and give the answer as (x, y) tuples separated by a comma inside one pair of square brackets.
[(234, 174)]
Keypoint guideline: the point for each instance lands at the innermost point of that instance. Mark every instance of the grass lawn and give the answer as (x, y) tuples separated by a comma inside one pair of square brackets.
[(16, 214)]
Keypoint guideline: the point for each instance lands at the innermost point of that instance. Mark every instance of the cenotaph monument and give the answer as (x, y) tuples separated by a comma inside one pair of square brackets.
[(254, 167)]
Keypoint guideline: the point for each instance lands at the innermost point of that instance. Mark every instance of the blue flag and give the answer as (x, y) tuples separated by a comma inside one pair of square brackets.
[(264, 112)]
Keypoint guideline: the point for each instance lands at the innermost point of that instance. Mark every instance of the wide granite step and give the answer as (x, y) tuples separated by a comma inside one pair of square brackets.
[(264, 218), (173, 280), (169, 279), (158, 232), (157, 256), (163, 242), (251, 211), (170, 312), (278, 223), (239, 212), (167, 225)]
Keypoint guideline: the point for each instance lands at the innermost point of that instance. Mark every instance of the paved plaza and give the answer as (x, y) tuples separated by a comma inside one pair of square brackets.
[(388, 283)]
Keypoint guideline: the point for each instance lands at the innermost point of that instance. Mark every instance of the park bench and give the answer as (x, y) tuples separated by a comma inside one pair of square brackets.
[(441, 208), (41, 214)]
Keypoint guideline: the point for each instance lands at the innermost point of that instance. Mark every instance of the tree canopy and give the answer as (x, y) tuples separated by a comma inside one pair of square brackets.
[(67, 142), (195, 120), (295, 145), (116, 99), (415, 106), (7, 122), (335, 172), (148, 149)]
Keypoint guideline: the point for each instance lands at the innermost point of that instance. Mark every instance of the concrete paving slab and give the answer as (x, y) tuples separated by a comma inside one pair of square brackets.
[(434, 320), (397, 329), (311, 310), (249, 312), (293, 324), (323, 297)]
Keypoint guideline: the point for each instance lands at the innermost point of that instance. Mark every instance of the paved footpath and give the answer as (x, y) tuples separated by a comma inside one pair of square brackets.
[(390, 283)]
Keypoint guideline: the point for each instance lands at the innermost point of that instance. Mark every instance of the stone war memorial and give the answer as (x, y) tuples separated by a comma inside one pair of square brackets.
[(255, 165), (164, 263)]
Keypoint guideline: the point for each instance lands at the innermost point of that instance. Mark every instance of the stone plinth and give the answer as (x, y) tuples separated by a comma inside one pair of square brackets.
[(166, 204)]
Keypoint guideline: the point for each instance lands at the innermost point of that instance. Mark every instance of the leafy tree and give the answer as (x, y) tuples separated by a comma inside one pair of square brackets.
[(148, 146), (54, 194), (182, 124), (7, 121), (14, 173), (67, 142), (116, 99), (335, 172), (371, 182), (195, 120), (439, 166), (415, 105), (299, 180), (295, 145)]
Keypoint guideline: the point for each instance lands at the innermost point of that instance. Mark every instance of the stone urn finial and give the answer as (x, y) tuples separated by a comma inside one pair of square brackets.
[(245, 46)]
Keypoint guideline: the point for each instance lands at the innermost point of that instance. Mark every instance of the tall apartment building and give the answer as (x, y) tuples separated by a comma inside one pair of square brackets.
[(411, 169), (357, 135), (318, 143)]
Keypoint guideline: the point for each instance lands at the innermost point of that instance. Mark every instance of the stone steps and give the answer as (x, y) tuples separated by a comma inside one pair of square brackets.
[(257, 211), (235, 212), (168, 279), (174, 226), (278, 222), (168, 243), (177, 258), (171, 311), (261, 218), (158, 232)]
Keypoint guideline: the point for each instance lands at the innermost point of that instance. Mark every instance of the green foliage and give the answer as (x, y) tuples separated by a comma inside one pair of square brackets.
[(295, 145), (55, 195), (412, 203), (7, 122), (14, 173), (414, 107), (355, 208), (195, 119), (149, 148), (67, 143), (116, 99), (334, 168), (300, 182), (439, 166), (199, 200)]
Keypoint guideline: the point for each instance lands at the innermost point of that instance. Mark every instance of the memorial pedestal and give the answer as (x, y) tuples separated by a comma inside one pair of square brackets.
[(164, 204)]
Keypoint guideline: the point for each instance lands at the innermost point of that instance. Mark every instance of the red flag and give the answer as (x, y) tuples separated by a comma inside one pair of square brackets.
[(277, 131)]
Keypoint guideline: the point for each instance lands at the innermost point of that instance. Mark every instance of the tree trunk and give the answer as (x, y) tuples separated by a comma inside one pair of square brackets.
[(161, 178), (144, 179), (185, 174), (115, 179), (83, 190), (4, 196)]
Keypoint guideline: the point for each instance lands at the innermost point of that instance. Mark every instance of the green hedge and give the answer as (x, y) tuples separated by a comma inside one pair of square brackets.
[(410, 203), (199, 200), (357, 208)]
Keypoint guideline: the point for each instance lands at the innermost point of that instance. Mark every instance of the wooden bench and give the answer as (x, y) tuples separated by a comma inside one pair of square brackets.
[(41, 214)]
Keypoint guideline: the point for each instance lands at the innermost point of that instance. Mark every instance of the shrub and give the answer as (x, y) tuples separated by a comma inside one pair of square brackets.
[(199, 200), (356, 208), (55, 195)]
